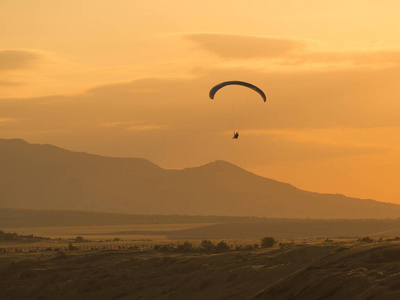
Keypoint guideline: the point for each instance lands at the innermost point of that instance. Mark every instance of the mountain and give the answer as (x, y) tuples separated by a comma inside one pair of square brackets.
[(51, 178)]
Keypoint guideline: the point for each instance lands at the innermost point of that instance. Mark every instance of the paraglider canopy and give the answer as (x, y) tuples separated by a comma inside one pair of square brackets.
[(242, 83)]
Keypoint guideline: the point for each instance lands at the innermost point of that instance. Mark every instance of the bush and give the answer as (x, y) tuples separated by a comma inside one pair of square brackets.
[(79, 239), (166, 248), (238, 248), (206, 246), (185, 247), (366, 239), (248, 248), (71, 247), (61, 255), (222, 247), (163, 248), (10, 236), (267, 242)]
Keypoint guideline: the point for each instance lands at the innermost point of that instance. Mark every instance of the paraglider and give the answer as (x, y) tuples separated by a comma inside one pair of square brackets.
[(219, 86), (242, 83)]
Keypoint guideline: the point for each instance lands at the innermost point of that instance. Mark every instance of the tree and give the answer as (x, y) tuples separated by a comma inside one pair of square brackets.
[(267, 242), (206, 246), (185, 247), (222, 247)]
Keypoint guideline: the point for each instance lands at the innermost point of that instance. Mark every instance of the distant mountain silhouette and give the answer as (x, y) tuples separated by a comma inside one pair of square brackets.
[(48, 177)]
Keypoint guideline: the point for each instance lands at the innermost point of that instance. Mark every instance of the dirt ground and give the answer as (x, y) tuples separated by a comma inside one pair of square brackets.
[(303, 270)]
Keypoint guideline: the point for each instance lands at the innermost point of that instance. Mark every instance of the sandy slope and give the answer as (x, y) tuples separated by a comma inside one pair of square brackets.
[(302, 271)]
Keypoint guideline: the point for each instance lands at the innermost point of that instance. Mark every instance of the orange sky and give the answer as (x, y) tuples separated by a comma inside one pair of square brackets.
[(131, 78)]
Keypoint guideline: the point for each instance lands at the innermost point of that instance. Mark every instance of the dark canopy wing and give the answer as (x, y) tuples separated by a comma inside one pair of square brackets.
[(249, 85)]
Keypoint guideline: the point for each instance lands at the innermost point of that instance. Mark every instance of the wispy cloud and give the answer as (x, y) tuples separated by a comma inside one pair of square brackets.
[(118, 124), (383, 58), (136, 125), (147, 127), (244, 46), (7, 83), (287, 52), (374, 139), (17, 59), (7, 120)]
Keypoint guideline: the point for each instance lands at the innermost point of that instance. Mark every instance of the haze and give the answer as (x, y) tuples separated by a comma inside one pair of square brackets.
[(131, 79)]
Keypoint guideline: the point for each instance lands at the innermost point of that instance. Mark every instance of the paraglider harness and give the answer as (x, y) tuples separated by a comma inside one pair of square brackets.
[(236, 135)]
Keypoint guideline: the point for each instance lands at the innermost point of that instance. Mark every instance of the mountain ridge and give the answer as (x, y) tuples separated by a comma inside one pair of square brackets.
[(49, 177)]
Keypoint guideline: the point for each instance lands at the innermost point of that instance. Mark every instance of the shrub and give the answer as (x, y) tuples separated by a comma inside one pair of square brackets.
[(61, 255), (248, 247), (185, 247), (167, 247), (238, 248), (267, 242), (163, 248), (10, 236), (79, 239), (366, 239), (71, 247), (206, 246), (222, 247), (116, 239)]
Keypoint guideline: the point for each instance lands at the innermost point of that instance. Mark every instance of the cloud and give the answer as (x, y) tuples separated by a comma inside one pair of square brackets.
[(7, 120), (145, 127), (137, 125), (244, 47), (382, 58), (17, 59), (374, 139), (342, 98), (7, 83), (116, 124), (144, 87), (288, 52)]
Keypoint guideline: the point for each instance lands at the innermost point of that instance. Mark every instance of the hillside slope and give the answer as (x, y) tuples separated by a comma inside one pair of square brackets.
[(338, 270), (48, 177)]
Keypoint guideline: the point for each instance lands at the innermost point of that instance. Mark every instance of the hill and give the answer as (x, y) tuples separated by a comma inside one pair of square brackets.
[(327, 270), (48, 177)]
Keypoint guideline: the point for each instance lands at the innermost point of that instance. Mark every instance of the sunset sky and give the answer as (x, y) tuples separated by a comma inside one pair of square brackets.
[(131, 79)]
